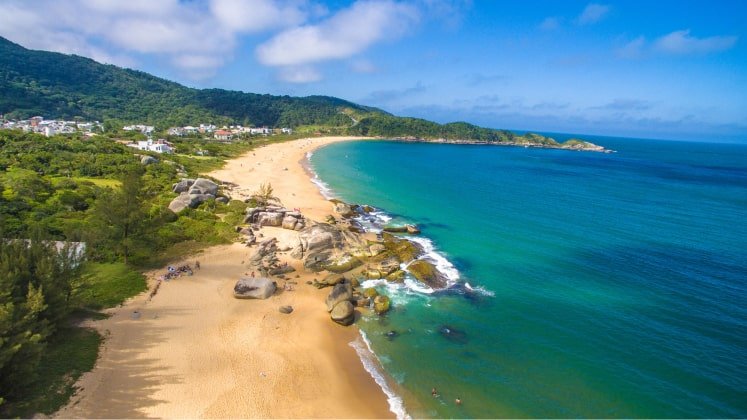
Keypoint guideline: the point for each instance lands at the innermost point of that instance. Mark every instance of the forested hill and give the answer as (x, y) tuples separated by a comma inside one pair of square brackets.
[(62, 86), (57, 85)]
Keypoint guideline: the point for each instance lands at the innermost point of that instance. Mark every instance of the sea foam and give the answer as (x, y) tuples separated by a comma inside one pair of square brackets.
[(371, 363)]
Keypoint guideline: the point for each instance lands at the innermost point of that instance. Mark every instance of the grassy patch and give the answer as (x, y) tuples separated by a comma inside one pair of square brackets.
[(101, 182), (104, 285), (70, 353)]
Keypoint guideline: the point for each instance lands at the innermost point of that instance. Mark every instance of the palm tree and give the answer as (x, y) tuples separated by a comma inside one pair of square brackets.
[(264, 196)]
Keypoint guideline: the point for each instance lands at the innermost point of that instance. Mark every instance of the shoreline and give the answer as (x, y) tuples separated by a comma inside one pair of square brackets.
[(196, 351)]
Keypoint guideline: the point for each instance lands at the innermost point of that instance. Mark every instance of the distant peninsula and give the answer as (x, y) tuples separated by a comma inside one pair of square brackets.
[(61, 86)]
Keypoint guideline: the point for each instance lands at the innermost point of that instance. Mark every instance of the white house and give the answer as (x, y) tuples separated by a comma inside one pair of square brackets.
[(223, 135), (159, 146)]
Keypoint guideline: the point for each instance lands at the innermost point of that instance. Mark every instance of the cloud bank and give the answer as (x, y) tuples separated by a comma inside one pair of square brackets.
[(198, 37), (676, 43)]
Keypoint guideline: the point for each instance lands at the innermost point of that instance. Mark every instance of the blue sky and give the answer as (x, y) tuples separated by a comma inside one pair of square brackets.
[(633, 68)]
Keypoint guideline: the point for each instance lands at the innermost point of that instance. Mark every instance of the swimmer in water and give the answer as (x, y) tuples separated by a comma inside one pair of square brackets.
[(458, 401)]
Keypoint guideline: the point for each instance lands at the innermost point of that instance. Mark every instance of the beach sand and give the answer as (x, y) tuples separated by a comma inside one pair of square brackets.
[(195, 351)]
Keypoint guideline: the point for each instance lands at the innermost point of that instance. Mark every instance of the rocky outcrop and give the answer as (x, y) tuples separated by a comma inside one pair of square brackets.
[(343, 313), (264, 258), (427, 273), (275, 216), (183, 185), (192, 193), (340, 293), (270, 219), (321, 244), (342, 264), (204, 186), (254, 288)]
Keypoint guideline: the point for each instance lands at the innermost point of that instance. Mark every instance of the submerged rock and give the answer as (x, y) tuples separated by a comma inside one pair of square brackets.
[(254, 288), (452, 334)]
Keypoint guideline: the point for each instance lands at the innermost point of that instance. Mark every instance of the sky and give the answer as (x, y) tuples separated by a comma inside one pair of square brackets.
[(653, 69)]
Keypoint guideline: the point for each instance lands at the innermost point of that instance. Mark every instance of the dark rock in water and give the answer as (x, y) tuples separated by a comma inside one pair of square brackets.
[(452, 334), (395, 229), (343, 313), (254, 288), (285, 309), (391, 335), (427, 273), (412, 229)]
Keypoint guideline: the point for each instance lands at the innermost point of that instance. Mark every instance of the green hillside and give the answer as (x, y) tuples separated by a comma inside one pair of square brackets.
[(67, 86), (63, 86)]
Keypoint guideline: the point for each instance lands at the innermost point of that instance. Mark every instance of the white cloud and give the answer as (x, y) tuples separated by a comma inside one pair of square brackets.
[(681, 42), (363, 66), (675, 43), (633, 49), (592, 13), (299, 74), (550, 23), (197, 37), (343, 35), (257, 15)]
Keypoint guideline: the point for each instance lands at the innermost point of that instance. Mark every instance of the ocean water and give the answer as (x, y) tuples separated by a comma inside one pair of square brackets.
[(600, 285)]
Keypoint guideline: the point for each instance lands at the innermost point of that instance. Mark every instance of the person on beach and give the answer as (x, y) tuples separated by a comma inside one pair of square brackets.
[(197, 265)]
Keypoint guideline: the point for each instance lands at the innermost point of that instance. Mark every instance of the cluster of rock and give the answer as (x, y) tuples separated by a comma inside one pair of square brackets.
[(192, 192), (347, 256), (276, 216), (265, 259)]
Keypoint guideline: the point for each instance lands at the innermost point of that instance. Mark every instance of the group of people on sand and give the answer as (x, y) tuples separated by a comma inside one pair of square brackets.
[(173, 272), (434, 392)]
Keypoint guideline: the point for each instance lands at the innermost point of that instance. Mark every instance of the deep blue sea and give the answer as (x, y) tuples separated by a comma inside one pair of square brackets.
[(602, 285)]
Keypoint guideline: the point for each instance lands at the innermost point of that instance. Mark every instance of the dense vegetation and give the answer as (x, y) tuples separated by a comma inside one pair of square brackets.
[(66, 86), (95, 190)]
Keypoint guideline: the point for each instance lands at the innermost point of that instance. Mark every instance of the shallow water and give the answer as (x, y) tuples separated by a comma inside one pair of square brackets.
[(604, 285)]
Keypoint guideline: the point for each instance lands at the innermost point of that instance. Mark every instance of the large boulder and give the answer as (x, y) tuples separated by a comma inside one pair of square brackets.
[(183, 185), (289, 222), (344, 263), (148, 160), (204, 186), (427, 273), (341, 292), (403, 249), (254, 288), (381, 304), (343, 313), (180, 203), (344, 209), (270, 219)]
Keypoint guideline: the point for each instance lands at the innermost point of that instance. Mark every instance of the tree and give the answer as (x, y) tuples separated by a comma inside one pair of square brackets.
[(119, 216), (264, 196)]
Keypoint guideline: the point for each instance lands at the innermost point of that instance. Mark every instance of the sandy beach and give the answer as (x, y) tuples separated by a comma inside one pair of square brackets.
[(195, 351)]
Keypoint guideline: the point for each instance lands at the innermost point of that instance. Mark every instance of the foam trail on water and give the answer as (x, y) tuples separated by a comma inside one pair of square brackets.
[(371, 363), (479, 290)]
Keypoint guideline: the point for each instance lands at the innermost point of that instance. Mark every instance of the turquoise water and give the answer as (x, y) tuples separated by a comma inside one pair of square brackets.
[(607, 285)]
